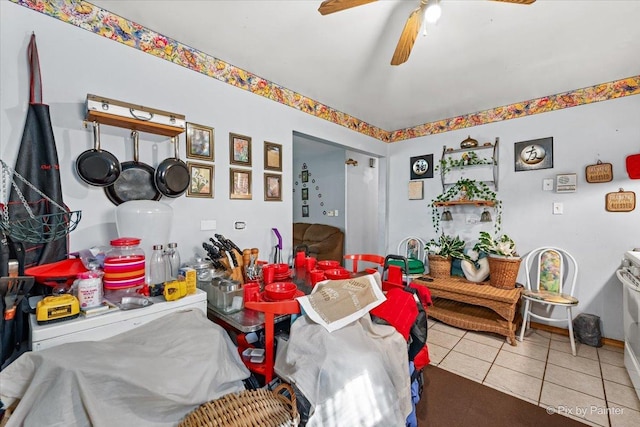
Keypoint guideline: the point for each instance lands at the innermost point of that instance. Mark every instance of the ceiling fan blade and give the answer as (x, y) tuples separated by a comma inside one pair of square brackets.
[(409, 34), (517, 1), (331, 6)]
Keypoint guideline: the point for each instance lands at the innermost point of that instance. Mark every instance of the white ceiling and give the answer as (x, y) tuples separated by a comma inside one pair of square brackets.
[(481, 54)]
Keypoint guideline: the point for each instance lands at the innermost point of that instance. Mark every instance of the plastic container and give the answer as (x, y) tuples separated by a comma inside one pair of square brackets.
[(88, 288), (124, 269)]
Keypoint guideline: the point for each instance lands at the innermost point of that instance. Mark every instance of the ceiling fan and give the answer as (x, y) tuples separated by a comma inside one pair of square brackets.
[(411, 27)]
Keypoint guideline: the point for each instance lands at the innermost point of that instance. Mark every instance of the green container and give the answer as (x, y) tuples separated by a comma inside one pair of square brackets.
[(415, 265)]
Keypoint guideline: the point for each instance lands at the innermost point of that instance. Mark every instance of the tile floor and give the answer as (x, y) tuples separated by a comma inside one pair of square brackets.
[(592, 387)]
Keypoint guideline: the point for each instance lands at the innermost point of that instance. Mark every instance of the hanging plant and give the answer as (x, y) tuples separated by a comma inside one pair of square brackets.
[(468, 158), (467, 190)]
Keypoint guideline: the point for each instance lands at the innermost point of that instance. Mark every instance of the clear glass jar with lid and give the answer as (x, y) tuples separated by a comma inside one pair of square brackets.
[(124, 268)]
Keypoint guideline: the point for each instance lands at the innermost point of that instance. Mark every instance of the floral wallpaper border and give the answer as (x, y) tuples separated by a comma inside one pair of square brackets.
[(99, 21)]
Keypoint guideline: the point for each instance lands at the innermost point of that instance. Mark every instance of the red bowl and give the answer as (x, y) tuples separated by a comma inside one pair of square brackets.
[(328, 264), (337, 273), (280, 290), (281, 268)]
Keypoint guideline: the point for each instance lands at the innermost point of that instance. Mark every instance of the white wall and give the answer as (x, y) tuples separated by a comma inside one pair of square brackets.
[(606, 131), (76, 62)]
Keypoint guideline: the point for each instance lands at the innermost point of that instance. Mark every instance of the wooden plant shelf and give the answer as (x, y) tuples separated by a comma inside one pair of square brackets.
[(466, 202)]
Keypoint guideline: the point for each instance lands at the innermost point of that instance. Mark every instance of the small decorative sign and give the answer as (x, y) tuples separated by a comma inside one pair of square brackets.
[(622, 201), (600, 172)]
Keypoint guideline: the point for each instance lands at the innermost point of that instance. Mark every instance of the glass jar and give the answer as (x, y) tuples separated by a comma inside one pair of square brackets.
[(173, 256), (157, 271), (124, 269)]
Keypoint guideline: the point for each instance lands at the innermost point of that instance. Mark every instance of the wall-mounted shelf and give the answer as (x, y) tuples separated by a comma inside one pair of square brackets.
[(466, 203), (135, 117), (492, 162)]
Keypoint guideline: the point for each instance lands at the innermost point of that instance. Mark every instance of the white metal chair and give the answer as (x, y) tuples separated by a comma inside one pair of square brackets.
[(551, 275)]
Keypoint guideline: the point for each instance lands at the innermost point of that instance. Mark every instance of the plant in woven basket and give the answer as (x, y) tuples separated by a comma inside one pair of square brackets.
[(446, 246), (503, 245)]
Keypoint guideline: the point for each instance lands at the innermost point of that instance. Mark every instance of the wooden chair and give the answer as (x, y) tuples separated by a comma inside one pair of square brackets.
[(270, 310), (369, 258)]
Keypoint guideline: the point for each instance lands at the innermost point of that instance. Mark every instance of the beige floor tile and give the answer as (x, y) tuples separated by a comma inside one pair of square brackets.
[(430, 322), (611, 357), (522, 364), (493, 340), (442, 327), (622, 395), (573, 403), (559, 338), (466, 366), (574, 380), (582, 350), (611, 348), (528, 349), (476, 349), (535, 336), (514, 383), (441, 338), (437, 353), (616, 374), (577, 363), (623, 417)]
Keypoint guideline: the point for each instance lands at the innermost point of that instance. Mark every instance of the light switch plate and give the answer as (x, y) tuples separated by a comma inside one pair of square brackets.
[(558, 208)]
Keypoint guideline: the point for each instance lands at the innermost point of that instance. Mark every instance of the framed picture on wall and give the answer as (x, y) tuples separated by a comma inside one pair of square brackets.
[(305, 211), (240, 184), (272, 156), (533, 154), (199, 142), (421, 167), (305, 176), (272, 187), (305, 194), (239, 149), (202, 180)]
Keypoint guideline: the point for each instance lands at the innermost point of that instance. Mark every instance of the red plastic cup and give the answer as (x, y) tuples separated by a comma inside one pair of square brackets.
[(310, 263), (251, 291), (268, 273), (316, 276), (300, 259)]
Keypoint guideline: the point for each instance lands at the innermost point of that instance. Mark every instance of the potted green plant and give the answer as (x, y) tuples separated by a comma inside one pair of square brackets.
[(440, 253), (469, 158), (504, 261), (467, 191)]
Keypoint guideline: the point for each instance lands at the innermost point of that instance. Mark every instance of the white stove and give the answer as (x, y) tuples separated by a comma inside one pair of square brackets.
[(629, 275)]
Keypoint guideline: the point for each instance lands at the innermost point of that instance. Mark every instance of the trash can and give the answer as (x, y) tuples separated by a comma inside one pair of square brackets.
[(586, 329)]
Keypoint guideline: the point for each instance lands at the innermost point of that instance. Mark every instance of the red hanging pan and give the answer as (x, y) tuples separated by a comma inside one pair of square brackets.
[(136, 181)]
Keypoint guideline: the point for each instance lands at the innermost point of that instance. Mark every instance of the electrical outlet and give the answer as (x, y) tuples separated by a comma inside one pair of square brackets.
[(558, 208), (547, 184), (329, 213)]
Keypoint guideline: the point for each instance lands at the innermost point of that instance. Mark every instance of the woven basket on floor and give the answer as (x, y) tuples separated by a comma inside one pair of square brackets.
[(503, 272), (249, 408), (439, 266)]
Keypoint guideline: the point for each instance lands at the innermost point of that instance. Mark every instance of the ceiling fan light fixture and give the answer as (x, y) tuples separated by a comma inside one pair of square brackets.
[(433, 12)]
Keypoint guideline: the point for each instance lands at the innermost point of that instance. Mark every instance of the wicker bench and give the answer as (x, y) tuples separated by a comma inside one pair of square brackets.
[(475, 306)]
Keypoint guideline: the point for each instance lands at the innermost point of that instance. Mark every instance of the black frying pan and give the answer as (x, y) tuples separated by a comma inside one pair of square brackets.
[(135, 182), (97, 167), (172, 175)]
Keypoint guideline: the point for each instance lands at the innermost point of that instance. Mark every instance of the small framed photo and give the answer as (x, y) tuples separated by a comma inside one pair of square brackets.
[(239, 150), (416, 190), (305, 211), (305, 194), (421, 167), (305, 176), (200, 143), (272, 156), (240, 184), (272, 187), (202, 180), (534, 154)]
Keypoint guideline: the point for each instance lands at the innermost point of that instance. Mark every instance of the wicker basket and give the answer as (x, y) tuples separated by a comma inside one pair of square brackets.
[(250, 408), (503, 272), (439, 266)]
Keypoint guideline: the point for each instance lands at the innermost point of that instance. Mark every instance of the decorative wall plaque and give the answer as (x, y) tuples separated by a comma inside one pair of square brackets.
[(600, 172), (622, 201)]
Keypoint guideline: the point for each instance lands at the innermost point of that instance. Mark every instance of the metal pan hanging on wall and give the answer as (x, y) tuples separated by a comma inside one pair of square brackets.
[(172, 175), (97, 167), (136, 181)]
